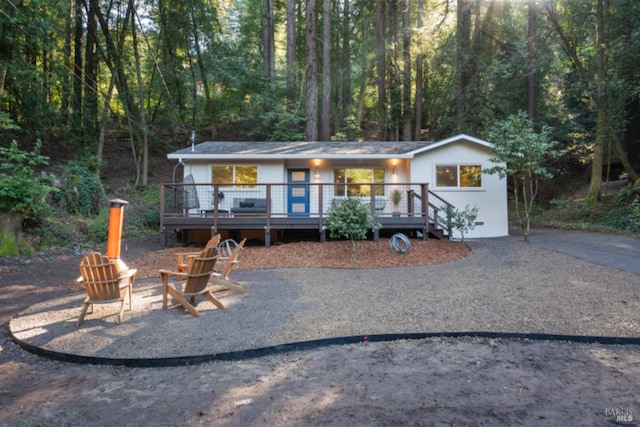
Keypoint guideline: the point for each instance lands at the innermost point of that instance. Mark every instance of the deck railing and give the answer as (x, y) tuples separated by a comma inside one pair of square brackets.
[(312, 199), (280, 202)]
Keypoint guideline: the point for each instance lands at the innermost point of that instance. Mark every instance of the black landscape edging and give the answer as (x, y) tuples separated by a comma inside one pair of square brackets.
[(311, 345)]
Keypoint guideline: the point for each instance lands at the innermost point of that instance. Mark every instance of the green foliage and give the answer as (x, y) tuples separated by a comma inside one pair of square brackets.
[(269, 119), (524, 151), (522, 154), (626, 219), (352, 219), (99, 226), (21, 189), (82, 192), (618, 213), (143, 213), (350, 131), (463, 220), (396, 197)]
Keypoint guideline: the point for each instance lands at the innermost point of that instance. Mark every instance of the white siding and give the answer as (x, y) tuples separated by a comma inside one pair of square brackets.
[(491, 198)]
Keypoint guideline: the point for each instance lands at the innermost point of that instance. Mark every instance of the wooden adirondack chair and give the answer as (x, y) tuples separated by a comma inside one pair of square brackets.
[(184, 257), (103, 283), (191, 283), (228, 257)]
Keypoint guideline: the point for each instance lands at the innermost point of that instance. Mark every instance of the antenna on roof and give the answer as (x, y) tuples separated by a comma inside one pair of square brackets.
[(193, 140)]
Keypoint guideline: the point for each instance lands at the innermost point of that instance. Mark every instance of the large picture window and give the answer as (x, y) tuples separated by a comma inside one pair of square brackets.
[(459, 176), (245, 176), (357, 182)]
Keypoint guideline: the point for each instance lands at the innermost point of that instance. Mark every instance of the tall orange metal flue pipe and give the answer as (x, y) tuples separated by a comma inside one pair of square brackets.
[(114, 239)]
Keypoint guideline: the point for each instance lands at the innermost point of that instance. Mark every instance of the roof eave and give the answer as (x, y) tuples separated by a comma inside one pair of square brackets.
[(197, 156)]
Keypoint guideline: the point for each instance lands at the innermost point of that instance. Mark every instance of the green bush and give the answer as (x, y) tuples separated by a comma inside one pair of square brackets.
[(99, 226), (352, 219), (625, 219), (21, 189), (82, 192)]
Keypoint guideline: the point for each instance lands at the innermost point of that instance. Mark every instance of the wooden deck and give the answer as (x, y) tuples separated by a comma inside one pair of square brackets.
[(269, 208)]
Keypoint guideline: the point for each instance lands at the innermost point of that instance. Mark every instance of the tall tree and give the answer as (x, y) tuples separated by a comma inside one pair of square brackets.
[(90, 111), (268, 40), (463, 60), (418, 108), (311, 128), (345, 68), (291, 53), (602, 129), (325, 128), (532, 43), (381, 68), (78, 38), (406, 75)]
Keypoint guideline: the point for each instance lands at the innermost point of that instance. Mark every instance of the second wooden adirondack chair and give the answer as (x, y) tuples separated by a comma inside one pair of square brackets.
[(192, 283)]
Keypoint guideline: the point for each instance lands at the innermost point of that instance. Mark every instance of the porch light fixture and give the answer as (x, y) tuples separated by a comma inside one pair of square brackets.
[(317, 176), (395, 166)]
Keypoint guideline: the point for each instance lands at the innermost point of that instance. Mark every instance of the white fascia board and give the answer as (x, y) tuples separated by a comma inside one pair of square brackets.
[(195, 156), (461, 137)]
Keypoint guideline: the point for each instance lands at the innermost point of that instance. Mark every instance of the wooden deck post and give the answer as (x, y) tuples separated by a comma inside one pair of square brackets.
[(267, 228)]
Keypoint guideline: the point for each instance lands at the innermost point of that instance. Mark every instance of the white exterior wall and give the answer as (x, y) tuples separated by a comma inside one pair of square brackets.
[(491, 198)]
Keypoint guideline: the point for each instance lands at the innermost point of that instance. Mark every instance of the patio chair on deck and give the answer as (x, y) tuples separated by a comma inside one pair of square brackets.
[(103, 283), (228, 255), (191, 283), (183, 258)]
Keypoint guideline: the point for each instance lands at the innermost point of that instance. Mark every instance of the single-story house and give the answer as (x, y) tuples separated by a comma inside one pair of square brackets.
[(274, 186)]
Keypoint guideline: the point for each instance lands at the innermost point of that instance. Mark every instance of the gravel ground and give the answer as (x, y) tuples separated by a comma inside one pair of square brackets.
[(504, 285)]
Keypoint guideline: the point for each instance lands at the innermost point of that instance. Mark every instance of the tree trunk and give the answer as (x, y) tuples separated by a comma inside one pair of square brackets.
[(406, 77), (203, 76), (142, 116), (11, 233), (76, 104), (419, 76), (311, 129), (394, 82), (291, 54), (533, 58), (90, 111), (103, 123), (380, 65), (325, 127), (268, 40), (346, 63), (463, 59), (602, 14)]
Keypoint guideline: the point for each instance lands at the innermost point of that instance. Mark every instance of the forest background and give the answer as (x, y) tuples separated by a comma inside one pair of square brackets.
[(109, 87)]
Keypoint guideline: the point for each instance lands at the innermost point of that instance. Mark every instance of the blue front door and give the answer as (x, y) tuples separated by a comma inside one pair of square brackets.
[(298, 192)]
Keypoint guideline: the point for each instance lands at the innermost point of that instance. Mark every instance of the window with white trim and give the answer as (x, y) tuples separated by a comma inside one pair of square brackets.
[(459, 176), (355, 182), (245, 176)]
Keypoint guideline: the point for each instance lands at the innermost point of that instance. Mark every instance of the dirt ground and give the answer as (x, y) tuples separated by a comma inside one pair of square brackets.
[(442, 381)]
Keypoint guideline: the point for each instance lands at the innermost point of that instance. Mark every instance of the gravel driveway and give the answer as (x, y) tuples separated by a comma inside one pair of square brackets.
[(504, 285)]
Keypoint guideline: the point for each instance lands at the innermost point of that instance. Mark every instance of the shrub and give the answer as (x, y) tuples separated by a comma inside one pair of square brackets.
[(464, 220), (82, 192), (352, 219), (21, 189), (99, 226)]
